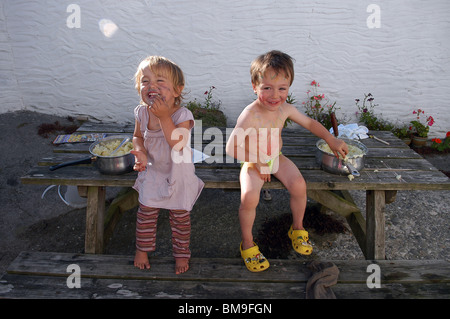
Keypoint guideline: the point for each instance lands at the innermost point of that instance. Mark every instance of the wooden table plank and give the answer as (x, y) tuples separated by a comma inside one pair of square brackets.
[(44, 275), (224, 269), (303, 163), (42, 287), (229, 178)]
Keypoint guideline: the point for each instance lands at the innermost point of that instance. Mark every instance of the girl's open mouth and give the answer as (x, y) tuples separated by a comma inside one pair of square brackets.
[(151, 98)]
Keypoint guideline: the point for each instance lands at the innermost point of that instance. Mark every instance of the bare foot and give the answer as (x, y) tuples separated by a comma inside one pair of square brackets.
[(141, 260), (181, 265)]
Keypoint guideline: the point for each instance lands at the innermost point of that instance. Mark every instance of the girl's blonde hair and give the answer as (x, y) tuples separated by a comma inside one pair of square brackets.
[(277, 60), (162, 66)]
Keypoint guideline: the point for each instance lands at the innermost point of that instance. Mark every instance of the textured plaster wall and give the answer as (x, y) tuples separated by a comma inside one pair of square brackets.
[(55, 59)]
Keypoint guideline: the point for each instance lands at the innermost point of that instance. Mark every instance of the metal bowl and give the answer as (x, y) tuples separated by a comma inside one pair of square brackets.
[(113, 165), (331, 164)]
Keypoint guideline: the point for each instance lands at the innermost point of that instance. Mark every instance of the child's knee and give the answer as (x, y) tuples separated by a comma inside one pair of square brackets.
[(249, 200), (297, 186)]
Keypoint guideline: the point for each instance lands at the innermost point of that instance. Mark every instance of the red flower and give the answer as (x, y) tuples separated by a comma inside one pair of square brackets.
[(313, 82), (437, 140), (448, 134)]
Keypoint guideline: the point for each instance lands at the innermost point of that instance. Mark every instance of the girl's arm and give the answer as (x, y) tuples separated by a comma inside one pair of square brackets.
[(139, 150), (177, 136)]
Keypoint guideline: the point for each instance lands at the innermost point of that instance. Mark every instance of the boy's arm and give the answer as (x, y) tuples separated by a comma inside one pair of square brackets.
[(242, 143), (336, 145), (238, 145)]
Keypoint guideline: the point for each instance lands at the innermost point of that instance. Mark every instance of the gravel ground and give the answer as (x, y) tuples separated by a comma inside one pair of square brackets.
[(417, 223)]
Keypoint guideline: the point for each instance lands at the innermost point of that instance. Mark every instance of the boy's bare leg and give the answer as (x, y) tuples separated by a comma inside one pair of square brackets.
[(294, 182), (141, 260), (251, 184)]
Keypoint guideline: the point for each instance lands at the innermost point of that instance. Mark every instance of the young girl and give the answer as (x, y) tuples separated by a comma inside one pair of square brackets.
[(161, 141)]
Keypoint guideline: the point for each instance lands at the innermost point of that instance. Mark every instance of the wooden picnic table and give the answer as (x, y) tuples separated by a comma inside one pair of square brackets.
[(388, 169)]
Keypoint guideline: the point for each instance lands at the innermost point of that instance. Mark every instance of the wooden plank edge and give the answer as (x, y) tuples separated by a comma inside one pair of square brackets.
[(38, 287), (225, 269)]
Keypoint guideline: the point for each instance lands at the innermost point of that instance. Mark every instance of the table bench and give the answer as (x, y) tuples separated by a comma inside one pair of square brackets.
[(388, 169), (45, 275)]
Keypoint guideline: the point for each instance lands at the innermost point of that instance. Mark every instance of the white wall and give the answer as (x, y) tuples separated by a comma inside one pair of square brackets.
[(48, 67)]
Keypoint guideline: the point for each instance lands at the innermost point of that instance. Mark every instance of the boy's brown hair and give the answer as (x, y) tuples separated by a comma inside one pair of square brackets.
[(277, 60), (162, 66)]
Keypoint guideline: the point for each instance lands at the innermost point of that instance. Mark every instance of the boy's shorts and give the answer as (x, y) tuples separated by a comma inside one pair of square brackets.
[(270, 162)]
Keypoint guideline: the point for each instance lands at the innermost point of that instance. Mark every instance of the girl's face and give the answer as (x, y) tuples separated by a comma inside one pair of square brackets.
[(152, 84), (272, 90)]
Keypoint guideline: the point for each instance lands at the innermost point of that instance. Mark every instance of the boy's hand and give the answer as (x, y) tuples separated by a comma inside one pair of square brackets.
[(338, 146), (140, 162), (264, 172)]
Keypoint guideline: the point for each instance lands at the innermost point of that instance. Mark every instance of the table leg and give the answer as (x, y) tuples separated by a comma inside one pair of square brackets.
[(375, 222), (95, 214)]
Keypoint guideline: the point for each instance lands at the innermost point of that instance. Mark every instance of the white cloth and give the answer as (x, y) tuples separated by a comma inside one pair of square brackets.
[(352, 131)]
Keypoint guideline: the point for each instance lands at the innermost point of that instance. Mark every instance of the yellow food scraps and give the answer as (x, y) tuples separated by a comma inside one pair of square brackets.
[(107, 147)]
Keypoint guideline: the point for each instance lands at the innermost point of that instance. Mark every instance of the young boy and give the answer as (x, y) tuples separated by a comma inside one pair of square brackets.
[(256, 141)]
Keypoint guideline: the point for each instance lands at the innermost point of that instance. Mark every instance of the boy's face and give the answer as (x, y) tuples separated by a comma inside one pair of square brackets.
[(156, 84), (272, 89)]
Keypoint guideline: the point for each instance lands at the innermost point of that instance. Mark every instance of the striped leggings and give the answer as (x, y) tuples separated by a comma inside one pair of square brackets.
[(180, 223)]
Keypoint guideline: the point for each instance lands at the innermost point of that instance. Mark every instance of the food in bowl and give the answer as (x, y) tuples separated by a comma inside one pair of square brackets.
[(353, 151), (107, 147)]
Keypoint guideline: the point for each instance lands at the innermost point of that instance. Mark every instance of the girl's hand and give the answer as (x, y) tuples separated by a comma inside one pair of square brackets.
[(160, 108), (140, 162)]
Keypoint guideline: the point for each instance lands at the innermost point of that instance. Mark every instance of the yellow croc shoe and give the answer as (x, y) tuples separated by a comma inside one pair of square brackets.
[(300, 241), (254, 260)]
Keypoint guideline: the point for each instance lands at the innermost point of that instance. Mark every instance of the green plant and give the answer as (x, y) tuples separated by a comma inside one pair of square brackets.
[(367, 115), (317, 107), (401, 131), (209, 111), (440, 145), (419, 128), (209, 103)]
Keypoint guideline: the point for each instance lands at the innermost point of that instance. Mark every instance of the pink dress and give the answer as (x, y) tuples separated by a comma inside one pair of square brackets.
[(166, 183)]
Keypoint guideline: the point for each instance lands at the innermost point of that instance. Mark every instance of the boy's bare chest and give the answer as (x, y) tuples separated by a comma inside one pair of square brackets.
[(269, 121)]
